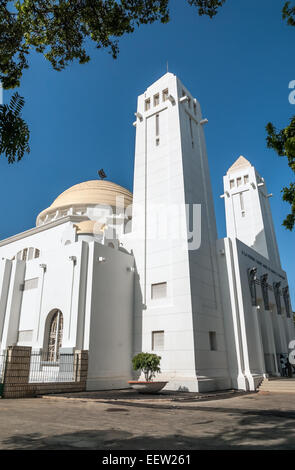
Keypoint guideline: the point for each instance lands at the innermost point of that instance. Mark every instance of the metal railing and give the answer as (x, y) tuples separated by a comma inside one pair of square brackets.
[(63, 369)]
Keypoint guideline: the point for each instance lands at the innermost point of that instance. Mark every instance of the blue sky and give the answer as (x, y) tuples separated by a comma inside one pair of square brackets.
[(238, 66)]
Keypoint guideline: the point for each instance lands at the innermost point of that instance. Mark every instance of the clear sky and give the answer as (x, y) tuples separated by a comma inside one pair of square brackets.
[(238, 65)]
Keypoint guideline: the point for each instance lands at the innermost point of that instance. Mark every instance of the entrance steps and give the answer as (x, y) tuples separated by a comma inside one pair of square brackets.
[(277, 385)]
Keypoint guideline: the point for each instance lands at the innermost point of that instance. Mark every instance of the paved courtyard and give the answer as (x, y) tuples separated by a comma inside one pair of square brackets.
[(124, 420)]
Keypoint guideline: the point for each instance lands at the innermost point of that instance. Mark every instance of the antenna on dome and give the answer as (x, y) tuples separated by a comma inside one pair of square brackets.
[(101, 174)]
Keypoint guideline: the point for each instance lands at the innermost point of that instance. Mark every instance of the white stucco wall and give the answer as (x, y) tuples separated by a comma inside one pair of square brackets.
[(109, 317)]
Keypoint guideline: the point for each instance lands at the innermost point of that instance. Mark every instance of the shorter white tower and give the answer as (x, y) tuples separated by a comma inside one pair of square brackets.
[(248, 212)]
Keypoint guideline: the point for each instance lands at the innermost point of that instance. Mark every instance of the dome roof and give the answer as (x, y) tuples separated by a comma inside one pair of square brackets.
[(90, 193)]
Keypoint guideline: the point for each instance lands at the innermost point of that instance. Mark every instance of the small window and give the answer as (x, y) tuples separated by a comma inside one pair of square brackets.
[(37, 253), (242, 202), (189, 101), (239, 182), (165, 94), (156, 99), (246, 179), (212, 340), (191, 131), (25, 254), (147, 105), (159, 291), (232, 184), (157, 340), (157, 125), (195, 108), (30, 284), (30, 253)]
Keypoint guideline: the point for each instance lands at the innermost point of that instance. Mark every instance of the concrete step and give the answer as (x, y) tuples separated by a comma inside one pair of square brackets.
[(277, 385)]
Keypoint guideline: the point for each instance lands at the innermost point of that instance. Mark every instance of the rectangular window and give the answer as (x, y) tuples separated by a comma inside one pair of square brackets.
[(189, 101), (232, 184), (212, 340), (239, 182), (156, 99), (30, 284), (242, 202), (147, 105), (159, 291), (165, 94), (191, 131), (157, 340), (25, 253), (246, 179), (195, 108), (157, 125), (31, 253)]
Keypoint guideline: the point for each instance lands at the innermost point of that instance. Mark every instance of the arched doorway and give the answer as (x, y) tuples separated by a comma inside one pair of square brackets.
[(54, 336)]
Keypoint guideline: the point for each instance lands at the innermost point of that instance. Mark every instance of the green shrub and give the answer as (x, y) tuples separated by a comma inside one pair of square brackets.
[(148, 363)]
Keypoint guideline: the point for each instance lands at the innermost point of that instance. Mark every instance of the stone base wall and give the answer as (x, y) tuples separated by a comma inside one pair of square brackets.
[(17, 370)]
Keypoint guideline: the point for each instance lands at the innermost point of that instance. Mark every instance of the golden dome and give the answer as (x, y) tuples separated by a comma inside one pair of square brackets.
[(90, 193)]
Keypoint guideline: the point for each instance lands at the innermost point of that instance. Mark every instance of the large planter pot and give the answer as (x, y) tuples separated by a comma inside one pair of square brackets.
[(147, 387)]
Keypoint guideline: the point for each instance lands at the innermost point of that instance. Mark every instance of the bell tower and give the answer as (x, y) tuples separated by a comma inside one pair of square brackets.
[(174, 239), (247, 209)]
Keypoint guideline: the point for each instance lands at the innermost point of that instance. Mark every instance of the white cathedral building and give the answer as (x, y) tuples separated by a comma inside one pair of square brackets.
[(117, 273)]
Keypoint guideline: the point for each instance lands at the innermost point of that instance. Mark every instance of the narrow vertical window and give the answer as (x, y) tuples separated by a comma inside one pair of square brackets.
[(242, 202), (156, 99), (157, 125), (25, 254), (165, 94), (55, 336), (232, 184), (191, 131), (189, 102), (246, 179), (195, 108), (239, 181), (147, 104), (212, 340)]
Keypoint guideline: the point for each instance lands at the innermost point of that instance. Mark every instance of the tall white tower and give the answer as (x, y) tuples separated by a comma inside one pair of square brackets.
[(178, 312), (247, 209)]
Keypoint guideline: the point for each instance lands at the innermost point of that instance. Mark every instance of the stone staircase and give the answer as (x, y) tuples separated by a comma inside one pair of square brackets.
[(277, 385)]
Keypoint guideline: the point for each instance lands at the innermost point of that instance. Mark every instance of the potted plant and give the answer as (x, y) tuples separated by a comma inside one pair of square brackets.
[(149, 364)]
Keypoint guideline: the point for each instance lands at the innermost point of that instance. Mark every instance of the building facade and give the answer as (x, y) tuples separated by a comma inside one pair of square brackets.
[(115, 273)]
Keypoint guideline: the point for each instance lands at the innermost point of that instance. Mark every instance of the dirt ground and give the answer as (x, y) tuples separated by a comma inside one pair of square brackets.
[(125, 420)]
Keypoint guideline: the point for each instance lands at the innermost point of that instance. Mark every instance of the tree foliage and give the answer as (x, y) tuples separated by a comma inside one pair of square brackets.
[(62, 30), (289, 13), (14, 132), (148, 363), (283, 142)]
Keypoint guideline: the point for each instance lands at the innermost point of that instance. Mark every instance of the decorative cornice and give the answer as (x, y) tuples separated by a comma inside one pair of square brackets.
[(42, 228)]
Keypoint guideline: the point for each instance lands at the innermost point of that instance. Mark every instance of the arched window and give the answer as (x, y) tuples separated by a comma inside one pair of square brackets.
[(28, 253), (55, 336)]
